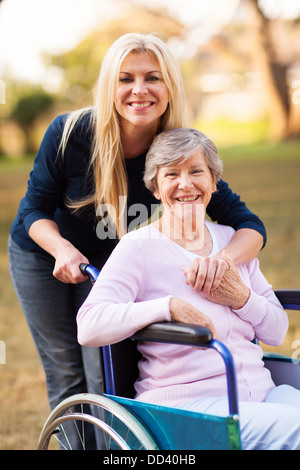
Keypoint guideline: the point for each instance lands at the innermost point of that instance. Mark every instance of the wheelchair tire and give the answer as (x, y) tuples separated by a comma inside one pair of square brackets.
[(115, 427)]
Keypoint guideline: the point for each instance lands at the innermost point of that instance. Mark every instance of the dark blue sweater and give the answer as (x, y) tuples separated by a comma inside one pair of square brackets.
[(54, 179)]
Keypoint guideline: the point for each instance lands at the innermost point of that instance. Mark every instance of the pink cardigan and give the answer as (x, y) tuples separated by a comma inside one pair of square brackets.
[(134, 289)]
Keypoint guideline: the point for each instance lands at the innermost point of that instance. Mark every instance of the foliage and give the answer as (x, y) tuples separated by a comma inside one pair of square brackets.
[(30, 106), (81, 65), (248, 45)]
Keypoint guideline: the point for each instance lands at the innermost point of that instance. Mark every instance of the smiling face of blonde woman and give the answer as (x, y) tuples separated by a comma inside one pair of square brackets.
[(142, 95)]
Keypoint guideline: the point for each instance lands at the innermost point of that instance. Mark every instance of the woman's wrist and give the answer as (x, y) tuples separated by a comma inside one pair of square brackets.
[(241, 299), (244, 238)]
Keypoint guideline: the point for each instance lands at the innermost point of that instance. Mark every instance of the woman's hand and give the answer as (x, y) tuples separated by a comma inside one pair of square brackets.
[(205, 274), (231, 291), (67, 258), (218, 280), (184, 312), (67, 261)]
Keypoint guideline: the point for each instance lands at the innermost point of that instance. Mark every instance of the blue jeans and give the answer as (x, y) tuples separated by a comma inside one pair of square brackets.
[(50, 308)]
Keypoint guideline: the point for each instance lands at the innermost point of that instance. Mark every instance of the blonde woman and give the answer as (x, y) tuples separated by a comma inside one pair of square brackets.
[(86, 188)]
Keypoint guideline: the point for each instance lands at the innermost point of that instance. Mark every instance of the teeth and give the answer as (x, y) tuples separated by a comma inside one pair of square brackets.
[(140, 105), (187, 199)]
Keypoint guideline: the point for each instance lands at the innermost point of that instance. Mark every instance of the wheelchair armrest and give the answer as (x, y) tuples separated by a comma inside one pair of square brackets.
[(289, 298), (198, 336), (175, 332)]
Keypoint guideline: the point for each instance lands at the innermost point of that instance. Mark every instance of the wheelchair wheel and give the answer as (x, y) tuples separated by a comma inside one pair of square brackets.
[(88, 421)]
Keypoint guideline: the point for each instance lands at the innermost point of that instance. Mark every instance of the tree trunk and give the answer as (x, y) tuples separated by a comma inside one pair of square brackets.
[(275, 78)]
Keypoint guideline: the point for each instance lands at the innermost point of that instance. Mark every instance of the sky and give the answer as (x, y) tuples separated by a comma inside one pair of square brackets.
[(31, 26)]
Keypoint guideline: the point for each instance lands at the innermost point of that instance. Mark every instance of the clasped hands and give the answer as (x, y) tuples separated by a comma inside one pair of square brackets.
[(216, 279)]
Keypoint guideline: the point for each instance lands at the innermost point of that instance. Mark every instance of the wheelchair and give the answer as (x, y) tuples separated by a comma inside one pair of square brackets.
[(122, 423)]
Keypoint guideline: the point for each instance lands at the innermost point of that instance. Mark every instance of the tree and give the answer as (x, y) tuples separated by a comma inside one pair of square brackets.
[(275, 73), (27, 109), (81, 65)]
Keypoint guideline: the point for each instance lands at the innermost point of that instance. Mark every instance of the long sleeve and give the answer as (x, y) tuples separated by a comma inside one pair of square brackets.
[(263, 310), (134, 289), (45, 186), (112, 311), (56, 178), (227, 208)]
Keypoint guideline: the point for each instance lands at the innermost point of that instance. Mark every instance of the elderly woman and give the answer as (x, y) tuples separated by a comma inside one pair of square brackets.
[(152, 275)]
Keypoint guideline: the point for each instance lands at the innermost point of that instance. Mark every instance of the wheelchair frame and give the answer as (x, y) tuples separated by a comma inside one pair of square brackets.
[(152, 427)]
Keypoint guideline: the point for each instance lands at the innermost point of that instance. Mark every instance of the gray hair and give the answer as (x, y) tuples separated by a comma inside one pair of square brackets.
[(179, 144)]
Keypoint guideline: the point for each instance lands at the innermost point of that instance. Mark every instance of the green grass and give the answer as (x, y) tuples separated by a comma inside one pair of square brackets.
[(267, 178), (23, 402), (224, 131), (265, 175)]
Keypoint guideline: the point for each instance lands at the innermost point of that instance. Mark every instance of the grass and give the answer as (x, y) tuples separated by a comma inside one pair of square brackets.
[(23, 401), (266, 176)]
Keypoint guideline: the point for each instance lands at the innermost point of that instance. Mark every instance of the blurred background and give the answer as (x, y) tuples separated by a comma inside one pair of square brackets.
[(240, 60)]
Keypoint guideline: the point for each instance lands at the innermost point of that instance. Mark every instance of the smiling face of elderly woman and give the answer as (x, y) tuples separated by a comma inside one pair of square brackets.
[(185, 187), (182, 168)]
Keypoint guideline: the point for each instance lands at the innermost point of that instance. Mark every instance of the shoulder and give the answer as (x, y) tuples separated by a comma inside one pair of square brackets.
[(142, 240), (79, 121), (129, 251), (142, 233), (139, 235), (54, 131), (58, 123), (223, 233)]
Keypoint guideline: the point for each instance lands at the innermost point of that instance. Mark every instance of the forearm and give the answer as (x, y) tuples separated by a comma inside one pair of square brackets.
[(47, 235), (103, 320), (67, 258), (244, 246), (226, 208)]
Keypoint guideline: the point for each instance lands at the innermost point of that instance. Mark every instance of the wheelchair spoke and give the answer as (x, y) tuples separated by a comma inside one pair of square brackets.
[(104, 424)]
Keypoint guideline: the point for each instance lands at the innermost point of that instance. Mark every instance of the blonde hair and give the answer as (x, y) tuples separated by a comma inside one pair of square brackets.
[(107, 155)]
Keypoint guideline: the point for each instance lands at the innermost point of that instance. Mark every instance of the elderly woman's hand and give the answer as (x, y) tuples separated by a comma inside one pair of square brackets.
[(231, 291), (184, 312), (218, 280)]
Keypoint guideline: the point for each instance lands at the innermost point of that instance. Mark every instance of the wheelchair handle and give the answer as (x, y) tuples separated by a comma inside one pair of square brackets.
[(90, 271)]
